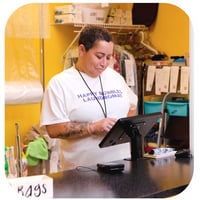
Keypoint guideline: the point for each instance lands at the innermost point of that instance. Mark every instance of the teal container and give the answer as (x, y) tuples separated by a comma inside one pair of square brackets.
[(177, 108), (152, 107), (180, 108)]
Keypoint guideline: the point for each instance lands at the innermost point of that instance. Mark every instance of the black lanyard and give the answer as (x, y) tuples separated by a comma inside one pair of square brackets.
[(104, 110)]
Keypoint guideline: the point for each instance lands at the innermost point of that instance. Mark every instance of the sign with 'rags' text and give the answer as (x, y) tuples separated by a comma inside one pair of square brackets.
[(40, 186)]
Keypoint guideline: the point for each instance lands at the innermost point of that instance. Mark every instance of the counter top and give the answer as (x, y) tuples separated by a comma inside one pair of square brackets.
[(142, 178)]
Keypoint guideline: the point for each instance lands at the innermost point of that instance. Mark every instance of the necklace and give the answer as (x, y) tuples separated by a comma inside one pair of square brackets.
[(104, 110)]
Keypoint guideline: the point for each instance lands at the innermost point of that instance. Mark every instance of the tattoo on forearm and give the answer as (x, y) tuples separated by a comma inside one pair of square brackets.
[(74, 129)]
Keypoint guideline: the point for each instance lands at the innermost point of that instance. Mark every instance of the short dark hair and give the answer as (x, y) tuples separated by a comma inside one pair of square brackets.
[(90, 34)]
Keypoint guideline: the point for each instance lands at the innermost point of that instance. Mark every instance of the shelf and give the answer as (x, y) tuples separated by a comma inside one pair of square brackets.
[(108, 26), (116, 28)]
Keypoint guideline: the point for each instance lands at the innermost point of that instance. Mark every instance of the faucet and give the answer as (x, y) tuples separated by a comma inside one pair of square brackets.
[(163, 119)]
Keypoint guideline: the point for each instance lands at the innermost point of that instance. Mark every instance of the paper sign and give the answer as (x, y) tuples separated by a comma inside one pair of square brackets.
[(184, 88), (129, 73), (162, 80), (165, 78), (158, 81), (174, 78), (150, 77), (40, 186)]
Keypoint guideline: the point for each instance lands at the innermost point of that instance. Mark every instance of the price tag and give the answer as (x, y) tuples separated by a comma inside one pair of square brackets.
[(40, 186)]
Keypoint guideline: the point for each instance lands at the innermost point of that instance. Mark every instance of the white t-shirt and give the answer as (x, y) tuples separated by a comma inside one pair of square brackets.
[(67, 98)]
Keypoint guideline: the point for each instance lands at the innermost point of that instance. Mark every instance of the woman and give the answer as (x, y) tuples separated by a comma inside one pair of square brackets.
[(82, 103)]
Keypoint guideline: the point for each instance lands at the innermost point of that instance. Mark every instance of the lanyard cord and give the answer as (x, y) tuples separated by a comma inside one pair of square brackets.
[(104, 110)]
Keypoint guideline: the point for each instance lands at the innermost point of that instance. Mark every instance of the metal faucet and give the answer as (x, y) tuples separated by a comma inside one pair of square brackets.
[(163, 119)]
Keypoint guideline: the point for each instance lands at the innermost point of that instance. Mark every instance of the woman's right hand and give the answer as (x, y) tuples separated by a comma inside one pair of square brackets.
[(102, 126)]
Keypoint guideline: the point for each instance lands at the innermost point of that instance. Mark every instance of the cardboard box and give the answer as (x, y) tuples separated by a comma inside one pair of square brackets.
[(95, 15), (125, 21), (68, 18), (115, 12), (65, 9), (114, 20)]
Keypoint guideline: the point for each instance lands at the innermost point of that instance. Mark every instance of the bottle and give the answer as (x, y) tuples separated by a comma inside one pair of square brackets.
[(159, 151), (6, 162), (24, 165), (11, 163)]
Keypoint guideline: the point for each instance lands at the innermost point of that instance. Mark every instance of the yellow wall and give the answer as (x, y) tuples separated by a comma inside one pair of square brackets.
[(170, 33), (60, 38), (24, 115), (168, 36), (22, 62)]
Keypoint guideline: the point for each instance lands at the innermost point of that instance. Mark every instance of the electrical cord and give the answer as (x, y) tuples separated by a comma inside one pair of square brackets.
[(85, 169)]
